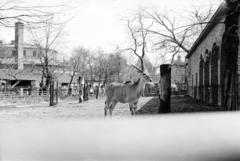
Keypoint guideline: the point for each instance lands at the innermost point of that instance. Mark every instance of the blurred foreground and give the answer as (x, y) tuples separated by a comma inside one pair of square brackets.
[(186, 137)]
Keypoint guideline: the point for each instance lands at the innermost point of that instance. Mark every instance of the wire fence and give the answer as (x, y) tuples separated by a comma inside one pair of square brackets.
[(28, 96), (34, 96)]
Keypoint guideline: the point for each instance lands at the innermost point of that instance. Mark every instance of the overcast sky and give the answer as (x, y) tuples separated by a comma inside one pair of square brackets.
[(101, 24)]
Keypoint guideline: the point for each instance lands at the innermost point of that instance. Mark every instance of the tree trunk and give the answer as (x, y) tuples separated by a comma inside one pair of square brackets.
[(41, 85), (85, 91), (229, 57), (118, 73), (165, 89), (97, 90), (80, 84), (51, 92), (57, 94), (142, 64), (70, 83), (80, 100)]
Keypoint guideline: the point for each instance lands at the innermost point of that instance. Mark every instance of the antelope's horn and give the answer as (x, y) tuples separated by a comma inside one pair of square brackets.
[(134, 66)]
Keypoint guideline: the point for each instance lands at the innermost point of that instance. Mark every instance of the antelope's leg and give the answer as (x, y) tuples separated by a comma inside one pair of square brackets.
[(131, 108), (111, 107), (107, 105), (135, 107)]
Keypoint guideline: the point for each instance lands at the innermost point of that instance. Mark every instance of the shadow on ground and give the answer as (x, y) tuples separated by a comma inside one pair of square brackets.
[(178, 105)]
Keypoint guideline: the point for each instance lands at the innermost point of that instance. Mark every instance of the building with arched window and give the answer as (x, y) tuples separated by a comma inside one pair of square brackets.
[(213, 61)]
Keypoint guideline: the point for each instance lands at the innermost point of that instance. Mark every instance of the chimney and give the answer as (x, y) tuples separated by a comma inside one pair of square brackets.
[(19, 27)]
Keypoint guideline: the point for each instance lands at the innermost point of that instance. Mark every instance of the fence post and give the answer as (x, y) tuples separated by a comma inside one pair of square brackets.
[(165, 89), (57, 94), (51, 92)]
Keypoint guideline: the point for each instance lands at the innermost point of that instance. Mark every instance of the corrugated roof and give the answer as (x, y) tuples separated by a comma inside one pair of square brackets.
[(25, 45), (218, 15), (6, 74), (65, 78)]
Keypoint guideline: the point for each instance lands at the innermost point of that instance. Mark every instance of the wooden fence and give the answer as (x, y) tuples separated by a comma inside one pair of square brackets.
[(36, 96)]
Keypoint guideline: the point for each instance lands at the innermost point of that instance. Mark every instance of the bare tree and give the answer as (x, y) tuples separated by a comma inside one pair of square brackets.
[(46, 40), (74, 64), (100, 70), (12, 11), (90, 62), (116, 65), (199, 18), (139, 35), (103, 68), (171, 36), (15, 10), (80, 67)]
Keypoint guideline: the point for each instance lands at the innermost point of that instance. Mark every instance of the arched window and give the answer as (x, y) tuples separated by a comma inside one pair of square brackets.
[(206, 75), (214, 73), (201, 67)]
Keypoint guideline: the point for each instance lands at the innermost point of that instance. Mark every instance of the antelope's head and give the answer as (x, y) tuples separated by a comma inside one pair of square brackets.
[(143, 75)]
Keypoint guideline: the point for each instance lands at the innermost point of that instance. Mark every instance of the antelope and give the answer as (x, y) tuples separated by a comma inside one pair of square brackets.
[(128, 92)]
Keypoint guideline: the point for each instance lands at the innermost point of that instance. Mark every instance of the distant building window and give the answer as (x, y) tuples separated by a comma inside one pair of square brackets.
[(13, 52), (24, 53), (34, 53)]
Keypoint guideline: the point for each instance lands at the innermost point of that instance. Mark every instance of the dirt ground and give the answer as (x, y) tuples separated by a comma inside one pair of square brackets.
[(93, 108), (183, 104), (71, 109)]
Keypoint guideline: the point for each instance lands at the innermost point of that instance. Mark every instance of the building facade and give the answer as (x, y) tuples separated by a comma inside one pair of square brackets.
[(212, 79), (178, 75), (22, 62)]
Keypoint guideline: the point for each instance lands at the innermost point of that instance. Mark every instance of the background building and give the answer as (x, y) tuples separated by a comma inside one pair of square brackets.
[(213, 62), (204, 62), (21, 62), (178, 75)]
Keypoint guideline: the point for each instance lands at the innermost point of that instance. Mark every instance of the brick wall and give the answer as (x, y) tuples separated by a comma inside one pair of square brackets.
[(214, 36)]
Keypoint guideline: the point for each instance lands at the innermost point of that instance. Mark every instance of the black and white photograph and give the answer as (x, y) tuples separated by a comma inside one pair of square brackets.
[(119, 80)]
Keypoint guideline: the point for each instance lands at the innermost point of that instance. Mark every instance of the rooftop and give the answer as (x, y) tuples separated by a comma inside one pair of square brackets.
[(216, 19), (7, 74), (12, 45)]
